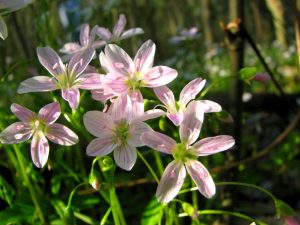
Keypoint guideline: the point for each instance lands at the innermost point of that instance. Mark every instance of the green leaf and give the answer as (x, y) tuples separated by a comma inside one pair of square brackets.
[(6, 191), (190, 210), (224, 116), (152, 213), (283, 209), (18, 214), (247, 73)]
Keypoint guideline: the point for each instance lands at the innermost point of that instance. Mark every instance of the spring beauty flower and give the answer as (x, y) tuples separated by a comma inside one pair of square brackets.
[(40, 127), (69, 78), (175, 110), (118, 131), (185, 155)]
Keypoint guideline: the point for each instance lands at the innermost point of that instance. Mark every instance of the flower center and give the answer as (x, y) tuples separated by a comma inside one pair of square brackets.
[(181, 153), (122, 133), (66, 80), (134, 81), (38, 125)]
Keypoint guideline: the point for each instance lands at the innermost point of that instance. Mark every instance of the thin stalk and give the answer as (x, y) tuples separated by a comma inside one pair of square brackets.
[(29, 185), (148, 166), (116, 207), (103, 221), (159, 163), (73, 192)]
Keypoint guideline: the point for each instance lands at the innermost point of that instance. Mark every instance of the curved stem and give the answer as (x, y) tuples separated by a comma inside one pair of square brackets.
[(103, 221), (73, 192), (148, 166)]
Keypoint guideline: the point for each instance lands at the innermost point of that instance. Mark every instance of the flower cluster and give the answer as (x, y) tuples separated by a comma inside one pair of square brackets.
[(121, 127)]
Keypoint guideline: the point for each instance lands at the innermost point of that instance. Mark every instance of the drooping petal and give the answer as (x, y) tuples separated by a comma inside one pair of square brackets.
[(144, 58), (103, 33), (22, 113), (71, 96), (190, 91), (3, 29), (166, 96), (16, 133), (176, 118), (135, 131), (61, 135), (192, 122), (39, 149), (158, 76), (125, 156), (89, 81), (121, 109), (131, 32), (170, 182), (80, 61), (97, 122), (149, 114), (210, 106), (50, 60), (116, 84), (201, 177), (119, 26), (137, 103), (212, 145), (84, 34), (50, 113), (158, 141), (37, 84), (101, 146)]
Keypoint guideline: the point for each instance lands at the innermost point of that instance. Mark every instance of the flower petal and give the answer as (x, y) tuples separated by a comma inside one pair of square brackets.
[(97, 122), (89, 81), (84, 34), (39, 149), (201, 177), (80, 61), (16, 133), (116, 84), (72, 96), (159, 75), (210, 106), (166, 96), (101, 146), (135, 132), (101, 96), (137, 103), (3, 29), (37, 84), (144, 58), (61, 135), (121, 109), (212, 145), (149, 114), (131, 32), (192, 122), (190, 91), (170, 182), (50, 113), (119, 26), (70, 48), (22, 113), (50, 60), (125, 156), (176, 118), (158, 141), (103, 33)]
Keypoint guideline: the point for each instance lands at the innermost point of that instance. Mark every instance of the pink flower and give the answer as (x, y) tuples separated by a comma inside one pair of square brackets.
[(262, 77), (69, 78), (291, 220), (39, 127), (185, 155), (175, 110), (118, 131), (118, 31)]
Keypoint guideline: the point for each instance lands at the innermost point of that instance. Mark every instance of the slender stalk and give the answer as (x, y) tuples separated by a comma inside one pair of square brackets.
[(158, 161), (73, 192), (29, 185), (148, 166), (103, 221), (116, 208)]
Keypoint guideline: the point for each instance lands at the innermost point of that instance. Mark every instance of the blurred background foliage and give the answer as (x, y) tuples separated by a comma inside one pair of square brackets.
[(265, 115)]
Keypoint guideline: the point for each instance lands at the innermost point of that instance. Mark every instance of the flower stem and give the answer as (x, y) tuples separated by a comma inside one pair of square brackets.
[(148, 166), (29, 185)]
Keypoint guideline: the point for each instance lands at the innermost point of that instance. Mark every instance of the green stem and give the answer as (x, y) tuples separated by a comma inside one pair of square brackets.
[(73, 192), (103, 221), (29, 185), (116, 207), (159, 163), (148, 166)]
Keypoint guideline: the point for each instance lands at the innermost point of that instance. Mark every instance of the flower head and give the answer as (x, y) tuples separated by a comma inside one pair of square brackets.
[(185, 155), (38, 126), (68, 78), (175, 110)]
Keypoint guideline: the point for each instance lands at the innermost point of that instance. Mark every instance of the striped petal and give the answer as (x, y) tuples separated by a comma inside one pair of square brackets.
[(135, 132), (159, 75), (119, 26), (71, 96), (190, 91), (50, 113), (125, 156), (144, 58), (101, 146), (22, 113), (89, 81), (61, 135), (37, 84), (158, 141), (39, 149), (16, 133)]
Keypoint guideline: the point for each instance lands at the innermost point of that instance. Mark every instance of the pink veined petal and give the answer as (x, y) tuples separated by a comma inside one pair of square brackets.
[(210, 106), (61, 135), (149, 114), (144, 58), (71, 96), (190, 91), (125, 156), (39, 149), (119, 60), (22, 113), (158, 76), (116, 84), (119, 26), (103, 33), (99, 95), (212, 145), (166, 96), (84, 34), (97, 122), (37, 84), (201, 177), (16, 133), (89, 81), (176, 118), (70, 48), (101, 146), (158, 141), (121, 109), (50, 60), (170, 182), (50, 113), (131, 32), (135, 131), (80, 61), (192, 122), (137, 103), (98, 44)]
